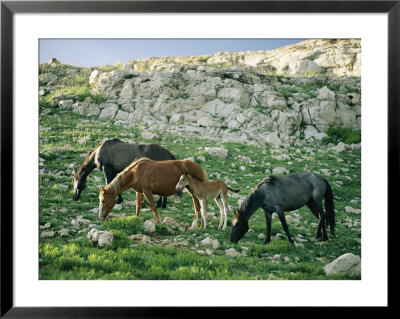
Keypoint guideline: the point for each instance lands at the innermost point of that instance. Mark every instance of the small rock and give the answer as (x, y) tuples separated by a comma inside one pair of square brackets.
[(48, 234), (100, 237), (46, 226), (261, 236), (232, 252), (217, 151), (149, 226), (74, 222), (341, 147), (63, 232), (350, 209), (82, 220), (280, 170), (170, 222), (142, 238), (149, 135)]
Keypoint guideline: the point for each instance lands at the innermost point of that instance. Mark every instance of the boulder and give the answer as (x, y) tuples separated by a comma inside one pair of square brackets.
[(87, 109), (94, 76), (108, 112), (347, 264), (66, 104)]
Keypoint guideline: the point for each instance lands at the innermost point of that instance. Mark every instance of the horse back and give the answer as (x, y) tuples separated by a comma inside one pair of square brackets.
[(155, 152), (294, 191), (117, 154)]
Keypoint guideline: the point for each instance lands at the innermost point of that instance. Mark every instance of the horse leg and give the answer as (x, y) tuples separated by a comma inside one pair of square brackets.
[(159, 202), (322, 224), (164, 202), (139, 199), (109, 175), (313, 208), (196, 205), (226, 209), (150, 199), (268, 218), (221, 211), (282, 218), (203, 204)]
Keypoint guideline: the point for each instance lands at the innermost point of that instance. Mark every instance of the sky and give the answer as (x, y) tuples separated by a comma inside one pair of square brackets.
[(97, 52)]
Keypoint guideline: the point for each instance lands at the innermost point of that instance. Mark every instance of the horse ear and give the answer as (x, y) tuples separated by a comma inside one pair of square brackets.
[(102, 189)]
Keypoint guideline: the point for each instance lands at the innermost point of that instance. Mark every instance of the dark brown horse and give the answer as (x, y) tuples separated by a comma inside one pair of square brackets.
[(147, 177), (112, 156)]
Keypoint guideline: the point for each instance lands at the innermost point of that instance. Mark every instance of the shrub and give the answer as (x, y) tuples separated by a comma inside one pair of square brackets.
[(342, 134), (129, 225)]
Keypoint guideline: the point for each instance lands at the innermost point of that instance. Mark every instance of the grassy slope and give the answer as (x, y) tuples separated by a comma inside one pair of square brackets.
[(74, 257)]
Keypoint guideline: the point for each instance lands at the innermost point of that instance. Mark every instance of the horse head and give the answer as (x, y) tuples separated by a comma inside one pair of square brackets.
[(240, 226), (79, 182), (106, 203), (183, 181)]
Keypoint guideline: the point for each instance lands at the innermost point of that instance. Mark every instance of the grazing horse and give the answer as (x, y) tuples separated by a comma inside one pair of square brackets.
[(204, 191), (287, 193), (112, 156), (147, 177)]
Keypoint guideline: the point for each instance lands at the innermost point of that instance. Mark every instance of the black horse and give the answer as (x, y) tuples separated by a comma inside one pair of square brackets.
[(287, 193), (113, 156)]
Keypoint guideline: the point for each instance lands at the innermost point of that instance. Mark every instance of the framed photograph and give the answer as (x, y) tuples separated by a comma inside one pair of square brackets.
[(161, 155)]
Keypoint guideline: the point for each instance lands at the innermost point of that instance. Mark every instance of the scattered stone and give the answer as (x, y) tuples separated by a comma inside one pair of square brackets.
[(217, 151), (142, 238), (75, 223), (47, 234), (170, 222), (350, 209), (45, 226), (280, 170), (63, 232), (149, 226), (149, 135), (101, 237), (341, 147), (232, 252)]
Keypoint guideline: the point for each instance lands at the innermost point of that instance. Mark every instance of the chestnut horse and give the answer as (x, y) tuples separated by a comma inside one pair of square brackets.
[(147, 177)]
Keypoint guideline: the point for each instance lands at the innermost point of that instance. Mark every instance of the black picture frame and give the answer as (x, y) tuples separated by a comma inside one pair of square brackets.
[(9, 8)]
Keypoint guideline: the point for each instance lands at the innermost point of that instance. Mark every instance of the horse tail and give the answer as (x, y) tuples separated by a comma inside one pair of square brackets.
[(234, 190), (329, 207)]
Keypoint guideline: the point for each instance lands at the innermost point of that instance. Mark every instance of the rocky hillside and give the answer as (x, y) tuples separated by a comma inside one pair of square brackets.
[(286, 96), (331, 57)]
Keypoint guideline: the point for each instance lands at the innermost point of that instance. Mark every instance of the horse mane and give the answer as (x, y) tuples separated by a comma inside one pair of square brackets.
[(86, 160), (270, 180), (114, 186), (252, 200)]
